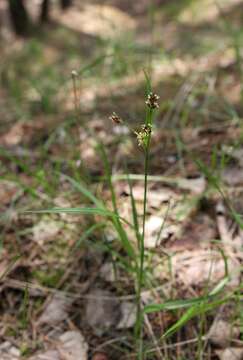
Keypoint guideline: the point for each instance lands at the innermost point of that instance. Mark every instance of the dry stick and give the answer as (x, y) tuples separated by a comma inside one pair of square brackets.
[(109, 342), (171, 346), (158, 298), (42, 290), (150, 330)]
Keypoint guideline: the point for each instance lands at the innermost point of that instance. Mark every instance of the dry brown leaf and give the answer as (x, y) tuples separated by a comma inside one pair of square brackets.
[(102, 311), (198, 232), (8, 190), (19, 133), (98, 20), (232, 353), (72, 346), (56, 310), (9, 352), (222, 332), (128, 315), (47, 355), (233, 176), (196, 186), (107, 272), (152, 230), (100, 356), (46, 230), (210, 13), (196, 267), (153, 234)]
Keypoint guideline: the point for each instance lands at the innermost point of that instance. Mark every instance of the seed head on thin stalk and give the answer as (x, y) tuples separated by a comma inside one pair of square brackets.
[(116, 119), (143, 135), (144, 139), (152, 101)]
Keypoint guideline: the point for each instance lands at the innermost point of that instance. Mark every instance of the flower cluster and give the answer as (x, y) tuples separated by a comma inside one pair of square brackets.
[(152, 101), (143, 135), (116, 119)]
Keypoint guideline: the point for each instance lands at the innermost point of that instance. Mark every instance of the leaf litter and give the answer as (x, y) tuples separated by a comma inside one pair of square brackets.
[(70, 345)]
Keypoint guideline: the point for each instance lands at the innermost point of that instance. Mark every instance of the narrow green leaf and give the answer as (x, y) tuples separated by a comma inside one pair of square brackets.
[(83, 210), (87, 233), (83, 189), (173, 305), (201, 308)]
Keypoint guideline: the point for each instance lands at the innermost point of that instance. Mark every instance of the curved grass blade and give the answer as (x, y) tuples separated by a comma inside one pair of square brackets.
[(83, 210), (87, 233), (197, 310), (180, 304), (83, 189)]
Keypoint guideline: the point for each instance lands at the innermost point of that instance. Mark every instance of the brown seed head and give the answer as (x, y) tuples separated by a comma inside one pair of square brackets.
[(152, 101), (143, 135), (116, 119)]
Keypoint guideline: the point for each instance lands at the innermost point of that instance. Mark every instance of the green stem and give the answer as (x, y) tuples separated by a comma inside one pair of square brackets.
[(139, 327)]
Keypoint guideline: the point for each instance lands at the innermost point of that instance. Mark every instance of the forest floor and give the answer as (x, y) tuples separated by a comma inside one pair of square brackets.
[(66, 283)]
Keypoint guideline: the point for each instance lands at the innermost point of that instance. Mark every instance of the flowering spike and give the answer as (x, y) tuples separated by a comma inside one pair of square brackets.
[(116, 119), (143, 135), (152, 101)]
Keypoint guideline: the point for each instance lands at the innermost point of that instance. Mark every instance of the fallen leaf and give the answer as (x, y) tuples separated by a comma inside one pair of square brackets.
[(222, 332), (192, 14), (98, 20), (73, 346), (233, 176), (128, 315), (197, 232), (198, 266), (9, 352), (47, 355), (231, 353), (46, 230), (102, 311), (197, 185), (152, 230), (107, 272), (100, 356), (22, 132), (56, 311), (8, 190)]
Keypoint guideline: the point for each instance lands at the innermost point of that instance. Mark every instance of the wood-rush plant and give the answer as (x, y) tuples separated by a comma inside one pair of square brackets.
[(135, 264), (144, 140), (134, 259)]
